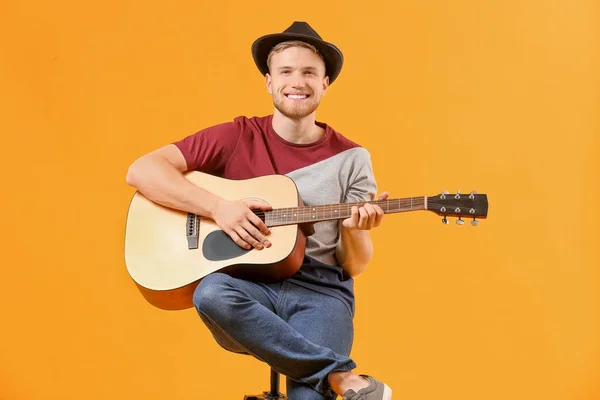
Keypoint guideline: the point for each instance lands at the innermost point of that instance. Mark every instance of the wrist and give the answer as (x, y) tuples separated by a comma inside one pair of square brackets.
[(213, 205)]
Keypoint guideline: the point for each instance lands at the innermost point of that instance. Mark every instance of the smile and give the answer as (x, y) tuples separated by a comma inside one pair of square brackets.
[(296, 96)]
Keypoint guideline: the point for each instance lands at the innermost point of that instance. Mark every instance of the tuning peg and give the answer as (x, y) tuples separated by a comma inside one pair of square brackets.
[(445, 192), (445, 220), (459, 192), (474, 222), (473, 192), (459, 221)]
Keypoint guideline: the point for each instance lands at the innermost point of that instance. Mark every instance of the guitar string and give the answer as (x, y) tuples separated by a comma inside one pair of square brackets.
[(304, 216), (405, 200), (415, 201), (309, 210), (321, 212)]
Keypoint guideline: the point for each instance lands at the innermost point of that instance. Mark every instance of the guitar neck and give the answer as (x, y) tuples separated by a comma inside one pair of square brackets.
[(328, 212)]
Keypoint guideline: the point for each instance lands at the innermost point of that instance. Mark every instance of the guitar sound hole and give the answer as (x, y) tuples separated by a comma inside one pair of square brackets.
[(218, 246), (260, 214)]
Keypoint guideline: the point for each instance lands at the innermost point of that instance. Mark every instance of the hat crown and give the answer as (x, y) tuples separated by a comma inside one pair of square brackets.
[(302, 28), (298, 30)]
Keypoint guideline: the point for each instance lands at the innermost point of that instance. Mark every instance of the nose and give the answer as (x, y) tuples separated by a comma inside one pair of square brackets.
[(298, 81)]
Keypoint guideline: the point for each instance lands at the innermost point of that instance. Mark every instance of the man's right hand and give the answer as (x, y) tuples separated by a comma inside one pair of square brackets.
[(237, 220)]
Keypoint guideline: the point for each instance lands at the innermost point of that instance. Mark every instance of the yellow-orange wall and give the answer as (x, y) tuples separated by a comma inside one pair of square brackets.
[(496, 96)]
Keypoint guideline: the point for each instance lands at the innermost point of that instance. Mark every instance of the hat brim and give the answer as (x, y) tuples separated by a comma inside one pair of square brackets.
[(333, 57)]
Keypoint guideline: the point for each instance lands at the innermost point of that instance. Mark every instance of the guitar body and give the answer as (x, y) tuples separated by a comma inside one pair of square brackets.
[(166, 270), (168, 252)]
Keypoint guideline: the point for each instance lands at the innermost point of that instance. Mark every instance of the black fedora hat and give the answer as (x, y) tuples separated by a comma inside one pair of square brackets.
[(299, 31)]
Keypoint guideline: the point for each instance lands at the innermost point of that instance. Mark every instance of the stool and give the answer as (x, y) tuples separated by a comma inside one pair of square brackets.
[(273, 393)]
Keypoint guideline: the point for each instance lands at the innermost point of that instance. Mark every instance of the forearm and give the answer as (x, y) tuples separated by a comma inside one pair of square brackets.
[(157, 179), (354, 250)]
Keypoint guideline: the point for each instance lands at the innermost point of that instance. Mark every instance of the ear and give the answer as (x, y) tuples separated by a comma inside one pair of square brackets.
[(268, 83), (325, 85)]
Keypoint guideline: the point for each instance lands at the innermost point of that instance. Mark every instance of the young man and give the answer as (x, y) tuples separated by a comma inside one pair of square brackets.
[(302, 327)]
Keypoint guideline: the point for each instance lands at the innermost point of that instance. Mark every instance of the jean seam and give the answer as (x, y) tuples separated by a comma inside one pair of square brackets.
[(283, 291)]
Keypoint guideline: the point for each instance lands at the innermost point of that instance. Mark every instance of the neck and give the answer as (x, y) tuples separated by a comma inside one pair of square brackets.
[(298, 131), (328, 212)]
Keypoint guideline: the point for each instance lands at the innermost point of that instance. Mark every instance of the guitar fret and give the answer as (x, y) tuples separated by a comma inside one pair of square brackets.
[(295, 215), (292, 215)]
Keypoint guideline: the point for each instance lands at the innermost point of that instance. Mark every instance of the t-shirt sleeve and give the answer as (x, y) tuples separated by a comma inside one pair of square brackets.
[(362, 185), (210, 149)]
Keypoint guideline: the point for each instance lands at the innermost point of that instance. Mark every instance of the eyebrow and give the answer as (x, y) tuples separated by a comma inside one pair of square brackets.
[(304, 68)]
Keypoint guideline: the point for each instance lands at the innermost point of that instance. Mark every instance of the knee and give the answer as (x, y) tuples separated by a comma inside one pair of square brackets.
[(208, 295)]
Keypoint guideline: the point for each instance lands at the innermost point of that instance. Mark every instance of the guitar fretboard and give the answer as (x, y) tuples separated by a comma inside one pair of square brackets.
[(298, 215)]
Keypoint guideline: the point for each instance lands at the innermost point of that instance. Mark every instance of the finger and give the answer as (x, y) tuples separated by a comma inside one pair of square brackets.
[(369, 213), (258, 205), (364, 218), (238, 240), (352, 220), (379, 216), (255, 233), (258, 223), (248, 238), (374, 216), (370, 209), (383, 196), (355, 215)]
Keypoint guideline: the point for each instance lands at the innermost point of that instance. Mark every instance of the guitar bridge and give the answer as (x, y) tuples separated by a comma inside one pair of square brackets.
[(192, 229)]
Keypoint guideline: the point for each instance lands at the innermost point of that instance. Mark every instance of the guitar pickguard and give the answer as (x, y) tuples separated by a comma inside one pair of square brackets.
[(218, 246)]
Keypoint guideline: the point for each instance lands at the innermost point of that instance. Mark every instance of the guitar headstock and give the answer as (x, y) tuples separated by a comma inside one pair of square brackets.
[(459, 205)]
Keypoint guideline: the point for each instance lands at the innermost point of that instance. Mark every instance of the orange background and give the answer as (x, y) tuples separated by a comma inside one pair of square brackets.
[(500, 97)]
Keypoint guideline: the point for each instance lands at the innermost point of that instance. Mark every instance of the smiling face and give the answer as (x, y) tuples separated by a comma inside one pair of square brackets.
[(297, 81)]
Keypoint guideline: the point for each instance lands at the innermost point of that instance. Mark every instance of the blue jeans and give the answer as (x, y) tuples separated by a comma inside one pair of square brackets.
[(300, 333)]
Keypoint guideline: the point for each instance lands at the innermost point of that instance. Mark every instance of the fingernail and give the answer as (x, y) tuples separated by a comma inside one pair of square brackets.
[(267, 244), (259, 247)]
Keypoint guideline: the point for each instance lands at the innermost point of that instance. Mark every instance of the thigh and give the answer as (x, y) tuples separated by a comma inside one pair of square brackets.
[(219, 289)]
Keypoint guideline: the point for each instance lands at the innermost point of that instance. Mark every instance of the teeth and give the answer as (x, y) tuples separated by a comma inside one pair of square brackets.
[(296, 96)]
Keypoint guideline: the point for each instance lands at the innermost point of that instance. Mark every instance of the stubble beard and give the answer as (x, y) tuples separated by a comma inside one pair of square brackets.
[(295, 111)]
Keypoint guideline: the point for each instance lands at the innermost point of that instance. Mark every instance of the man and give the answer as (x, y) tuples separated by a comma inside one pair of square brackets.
[(301, 327)]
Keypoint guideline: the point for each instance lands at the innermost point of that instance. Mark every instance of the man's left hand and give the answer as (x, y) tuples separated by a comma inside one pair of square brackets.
[(366, 217)]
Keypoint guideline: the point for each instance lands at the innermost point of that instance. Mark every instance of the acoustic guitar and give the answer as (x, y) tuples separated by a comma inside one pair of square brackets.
[(168, 252)]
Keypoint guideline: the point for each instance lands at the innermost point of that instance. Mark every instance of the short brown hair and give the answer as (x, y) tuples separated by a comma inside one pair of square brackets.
[(279, 47)]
